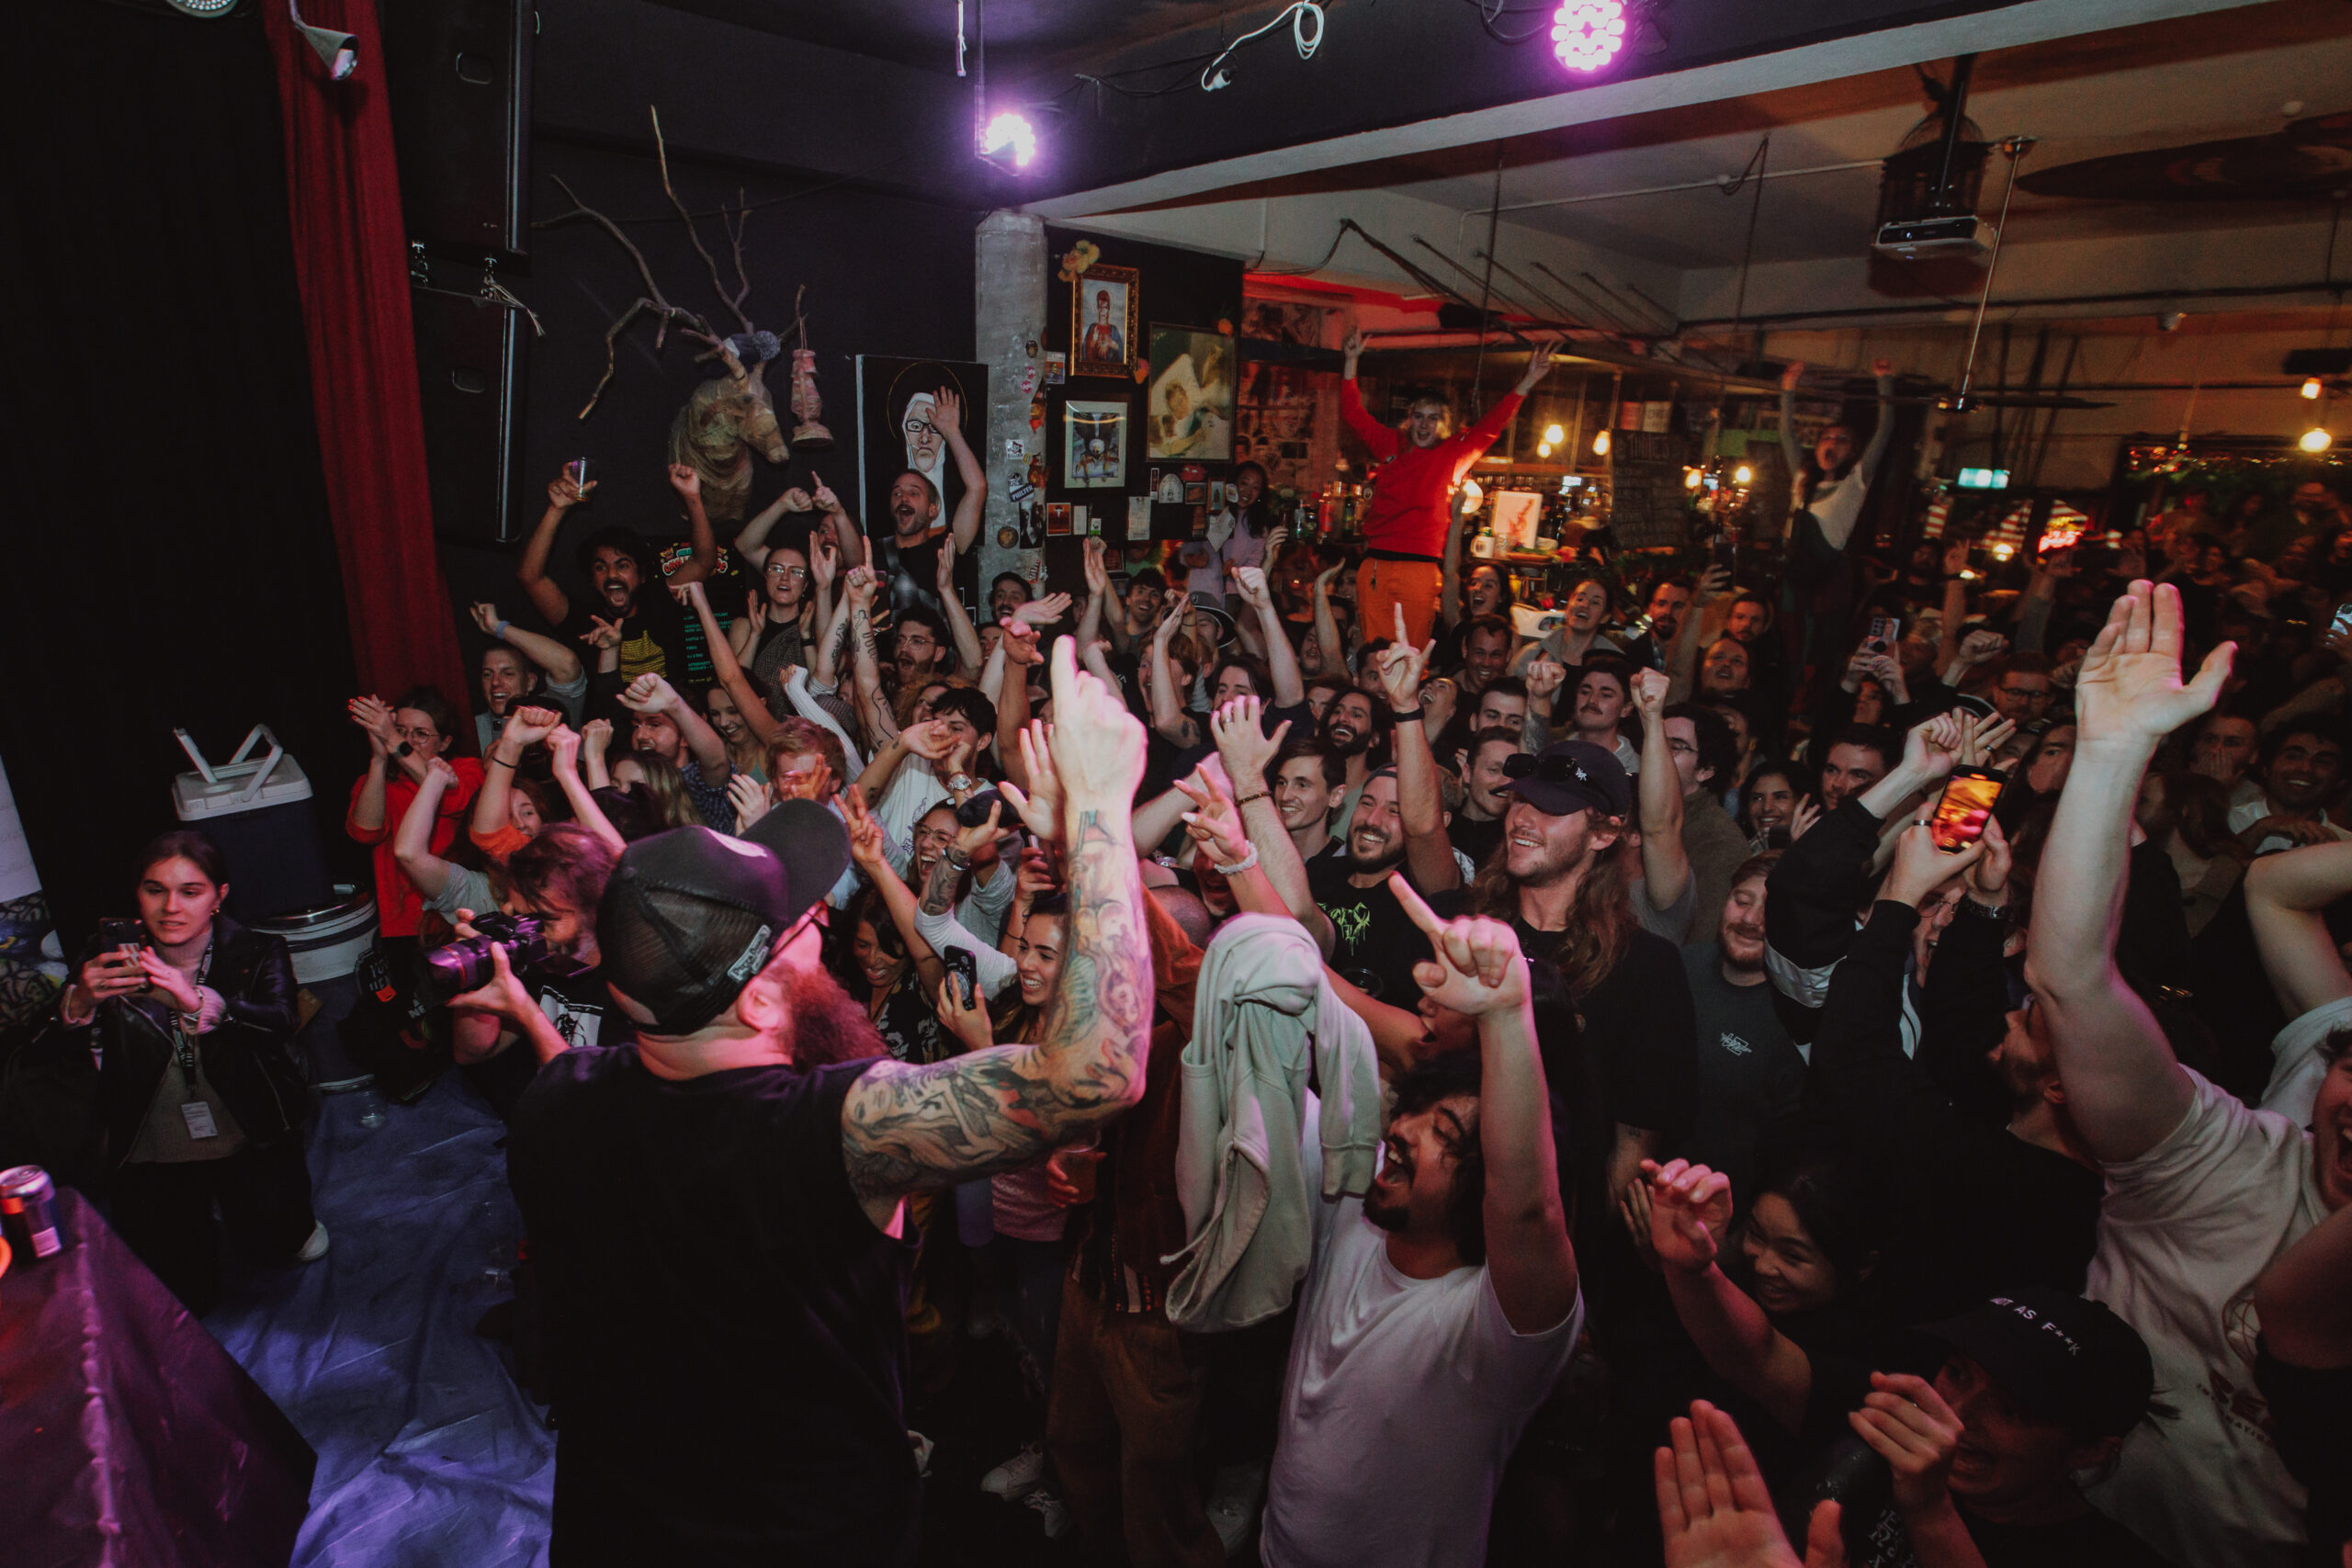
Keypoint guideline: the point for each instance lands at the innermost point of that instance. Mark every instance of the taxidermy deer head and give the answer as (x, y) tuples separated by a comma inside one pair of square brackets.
[(731, 416)]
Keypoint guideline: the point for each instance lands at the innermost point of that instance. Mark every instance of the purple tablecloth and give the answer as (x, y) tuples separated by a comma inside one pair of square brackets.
[(127, 1436)]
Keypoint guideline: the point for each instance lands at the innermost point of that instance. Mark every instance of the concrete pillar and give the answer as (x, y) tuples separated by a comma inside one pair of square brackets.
[(1010, 312)]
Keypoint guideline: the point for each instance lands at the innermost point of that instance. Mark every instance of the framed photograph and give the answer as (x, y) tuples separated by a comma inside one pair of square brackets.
[(1104, 312), (1196, 493), (1057, 519), (1190, 413), (1094, 445)]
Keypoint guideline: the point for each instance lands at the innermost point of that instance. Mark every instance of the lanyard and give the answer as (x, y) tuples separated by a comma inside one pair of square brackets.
[(183, 1047)]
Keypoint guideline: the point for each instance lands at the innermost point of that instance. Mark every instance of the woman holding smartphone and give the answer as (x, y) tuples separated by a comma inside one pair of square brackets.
[(179, 1027)]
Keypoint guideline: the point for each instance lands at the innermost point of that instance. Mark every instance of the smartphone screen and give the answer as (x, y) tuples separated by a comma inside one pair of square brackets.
[(116, 935), (2343, 622), (1964, 807)]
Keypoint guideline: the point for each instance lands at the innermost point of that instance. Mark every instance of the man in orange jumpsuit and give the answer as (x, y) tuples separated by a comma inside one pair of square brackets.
[(1411, 509)]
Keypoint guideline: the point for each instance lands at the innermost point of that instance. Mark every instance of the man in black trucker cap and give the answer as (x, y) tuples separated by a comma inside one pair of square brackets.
[(716, 1210)]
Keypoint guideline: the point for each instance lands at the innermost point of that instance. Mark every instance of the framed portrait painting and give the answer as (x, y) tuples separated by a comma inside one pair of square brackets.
[(1094, 445), (1190, 412), (1105, 307)]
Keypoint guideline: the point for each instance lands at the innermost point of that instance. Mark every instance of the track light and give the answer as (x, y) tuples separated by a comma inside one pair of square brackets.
[(2316, 439), (2312, 389), (1544, 448), (1555, 436), (1601, 444), (1009, 134), (336, 50), (1587, 34), (1742, 474)]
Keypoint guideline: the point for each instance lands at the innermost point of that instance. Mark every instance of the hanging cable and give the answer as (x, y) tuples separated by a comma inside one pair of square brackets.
[(1296, 14)]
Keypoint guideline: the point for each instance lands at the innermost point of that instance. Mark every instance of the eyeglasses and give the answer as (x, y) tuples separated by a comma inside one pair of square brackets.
[(789, 573), (920, 427), (1558, 769)]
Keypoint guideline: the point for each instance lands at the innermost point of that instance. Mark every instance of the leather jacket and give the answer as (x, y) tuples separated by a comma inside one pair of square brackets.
[(249, 1056)]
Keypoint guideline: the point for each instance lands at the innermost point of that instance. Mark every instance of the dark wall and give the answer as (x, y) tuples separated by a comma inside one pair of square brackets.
[(885, 275), (170, 558)]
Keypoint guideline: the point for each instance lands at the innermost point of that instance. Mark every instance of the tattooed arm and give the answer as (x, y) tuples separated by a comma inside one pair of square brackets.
[(904, 1127), (873, 703)]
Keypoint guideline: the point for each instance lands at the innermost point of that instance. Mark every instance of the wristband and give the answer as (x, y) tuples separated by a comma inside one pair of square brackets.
[(1237, 868), (956, 858), (1406, 715), (1242, 800), (500, 761), (1968, 905), (499, 631), (959, 781)]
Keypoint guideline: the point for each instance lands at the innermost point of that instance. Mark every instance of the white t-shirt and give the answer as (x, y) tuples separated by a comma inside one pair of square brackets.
[(2183, 1232), (1402, 1402), (2296, 1066)]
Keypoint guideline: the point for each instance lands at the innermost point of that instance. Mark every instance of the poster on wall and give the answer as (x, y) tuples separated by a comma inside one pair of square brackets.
[(899, 431), (1105, 306), (1286, 418), (1094, 445), (1190, 413)]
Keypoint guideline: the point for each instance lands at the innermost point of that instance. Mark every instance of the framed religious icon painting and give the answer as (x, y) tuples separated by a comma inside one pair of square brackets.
[(1105, 307), (1094, 446)]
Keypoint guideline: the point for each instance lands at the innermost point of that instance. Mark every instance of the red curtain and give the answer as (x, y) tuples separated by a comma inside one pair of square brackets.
[(351, 266)]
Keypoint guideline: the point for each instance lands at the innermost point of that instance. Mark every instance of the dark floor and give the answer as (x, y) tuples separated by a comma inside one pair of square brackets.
[(428, 1453)]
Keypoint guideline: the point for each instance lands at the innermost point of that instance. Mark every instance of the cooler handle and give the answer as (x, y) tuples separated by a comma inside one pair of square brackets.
[(187, 744), (268, 764)]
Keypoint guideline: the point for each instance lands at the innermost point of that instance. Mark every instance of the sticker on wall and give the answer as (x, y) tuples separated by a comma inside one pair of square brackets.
[(1008, 538), (1138, 518), (1057, 519), (1019, 490), (1028, 379), (1038, 413), (1056, 367), (1077, 519), (1013, 449), (1030, 347)]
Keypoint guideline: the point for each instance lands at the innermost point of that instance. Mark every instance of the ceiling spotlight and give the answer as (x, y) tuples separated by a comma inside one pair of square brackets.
[(1601, 444), (1742, 474), (1009, 134), (1587, 34), (1555, 436), (337, 52), (2316, 440), (2312, 389), (1544, 450)]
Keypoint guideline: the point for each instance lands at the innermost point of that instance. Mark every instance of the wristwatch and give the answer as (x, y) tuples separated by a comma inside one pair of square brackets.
[(960, 783)]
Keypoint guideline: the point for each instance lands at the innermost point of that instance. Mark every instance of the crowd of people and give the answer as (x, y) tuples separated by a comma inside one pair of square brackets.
[(1406, 1090)]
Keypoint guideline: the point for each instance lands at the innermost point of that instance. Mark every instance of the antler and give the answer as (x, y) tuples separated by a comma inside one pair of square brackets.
[(691, 324), (734, 231)]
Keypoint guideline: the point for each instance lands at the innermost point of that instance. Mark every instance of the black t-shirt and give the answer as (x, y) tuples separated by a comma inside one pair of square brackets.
[(1751, 1076), (1475, 839), (653, 636), (912, 570), (2307, 1408), (727, 1337), (581, 1011), (1375, 943)]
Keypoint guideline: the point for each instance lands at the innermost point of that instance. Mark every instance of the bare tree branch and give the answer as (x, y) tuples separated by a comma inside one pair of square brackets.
[(734, 303)]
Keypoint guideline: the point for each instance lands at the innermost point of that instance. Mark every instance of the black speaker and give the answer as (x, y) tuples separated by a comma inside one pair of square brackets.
[(472, 357), (460, 76)]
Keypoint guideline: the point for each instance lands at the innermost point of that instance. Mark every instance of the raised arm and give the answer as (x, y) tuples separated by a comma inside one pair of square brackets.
[(413, 842), (869, 850), (1883, 433), (2305, 1297), (728, 668), (752, 543), (948, 418), (1666, 865), (847, 531), (1421, 806), (959, 622), (563, 745), (1018, 649), (1282, 660), (904, 1127), (2286, 898), (1168, 715), (1246, 751), (532, 571), (562, 665), (1790, 380), (1689, 1216), (2123, 1087), (1098, 587), (1383, 442), (1478, 971), (1330, 648), (526, 729), (651, 694), (866, 666), (702, 545)]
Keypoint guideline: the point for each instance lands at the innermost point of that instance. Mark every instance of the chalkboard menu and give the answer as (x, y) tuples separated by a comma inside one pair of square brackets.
[(1648, 503)]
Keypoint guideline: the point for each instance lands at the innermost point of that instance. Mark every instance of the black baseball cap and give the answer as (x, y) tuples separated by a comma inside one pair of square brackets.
[(2058, 1356), (1569, 776), (690, 915)]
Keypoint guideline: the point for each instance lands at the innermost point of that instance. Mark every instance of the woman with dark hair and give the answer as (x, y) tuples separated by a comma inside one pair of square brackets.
[(180, 1028), (1776, 804), (404, 739)]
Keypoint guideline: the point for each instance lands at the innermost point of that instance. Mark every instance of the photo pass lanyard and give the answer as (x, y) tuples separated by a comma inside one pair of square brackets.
[(193, 1109)]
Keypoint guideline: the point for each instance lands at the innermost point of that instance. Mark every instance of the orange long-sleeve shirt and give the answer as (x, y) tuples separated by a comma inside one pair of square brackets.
[(400, 910), (1412, 499)]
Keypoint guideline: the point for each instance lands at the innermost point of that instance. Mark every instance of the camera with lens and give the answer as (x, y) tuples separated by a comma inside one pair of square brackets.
[(465, 964)]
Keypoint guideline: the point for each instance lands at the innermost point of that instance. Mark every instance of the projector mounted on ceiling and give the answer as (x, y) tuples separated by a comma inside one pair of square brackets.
[(1926, 194)]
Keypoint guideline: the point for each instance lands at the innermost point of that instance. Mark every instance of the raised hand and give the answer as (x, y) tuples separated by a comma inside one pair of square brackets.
[(2129, 693), (862, 584), (1955, 557), (1174, 616), (1351, 351), (1932, 749), (1980, 645), (1715, 1510), (1988, 879), (755, 612), (374, 716), (1098, 577), (684, 479), (797, 499), (1793, 375), (1246, 750), (1033, 878), (1920, 867), (1097, 745), (1649, 694), (1214, 823), (1044, 611), (1328, 575), (690, 594), (970, 1025), (596, 736), (1478, 968), (1807, 812), (1401, 665), (563, 494), (750, 798), (1039, 806), (486, 618), (946, 410), (563, 745), (1689, 1213), (1909, 1424), (439, 776), (648, 693), (929, 739), (979, 841), (1982, 739), (1249, 581), (1021, 642), (827, 502), (1539, 365), (824, 564), (1544, 679), (602, 633), (867, 848), (1277, 538)]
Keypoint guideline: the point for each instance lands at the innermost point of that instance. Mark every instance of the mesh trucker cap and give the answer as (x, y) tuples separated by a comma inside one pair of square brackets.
[(1569, 776), (690, 915)]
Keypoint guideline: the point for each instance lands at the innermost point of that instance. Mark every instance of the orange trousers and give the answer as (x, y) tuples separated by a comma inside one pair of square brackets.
[(1382, 585)]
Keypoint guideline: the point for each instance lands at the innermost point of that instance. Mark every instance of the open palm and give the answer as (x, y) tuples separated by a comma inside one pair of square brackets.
[(2129, 690)]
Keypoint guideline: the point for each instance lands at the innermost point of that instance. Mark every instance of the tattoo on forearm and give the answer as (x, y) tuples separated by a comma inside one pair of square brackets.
[(939, 887), (910, 1127)]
